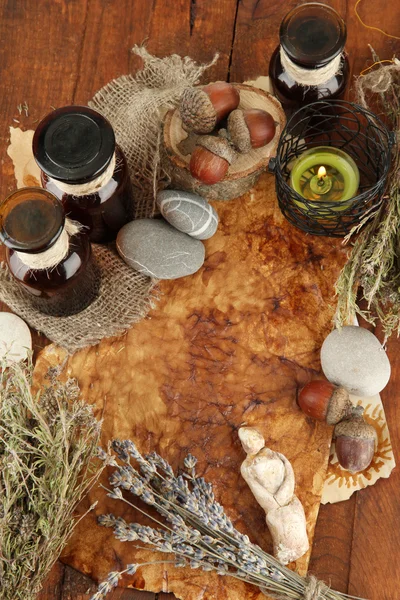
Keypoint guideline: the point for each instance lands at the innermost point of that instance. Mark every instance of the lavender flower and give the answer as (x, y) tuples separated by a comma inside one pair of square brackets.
[(196, 528)]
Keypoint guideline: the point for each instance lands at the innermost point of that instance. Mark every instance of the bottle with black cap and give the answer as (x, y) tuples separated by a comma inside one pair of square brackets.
[(48, 254), (83, 167), (309, 65)]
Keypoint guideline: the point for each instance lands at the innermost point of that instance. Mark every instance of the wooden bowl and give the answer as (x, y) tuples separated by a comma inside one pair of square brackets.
[(243, 173)]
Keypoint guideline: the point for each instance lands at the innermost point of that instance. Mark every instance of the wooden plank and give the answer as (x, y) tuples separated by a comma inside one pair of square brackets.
[(331, 552), (196, 28), (375, 568), (39, 58), (52, 588), (186, 27)]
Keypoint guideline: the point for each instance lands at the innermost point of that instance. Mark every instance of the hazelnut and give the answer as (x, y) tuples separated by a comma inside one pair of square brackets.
[(325, 401), (211, 158), (251, 128), (202, 108), (355, 442)]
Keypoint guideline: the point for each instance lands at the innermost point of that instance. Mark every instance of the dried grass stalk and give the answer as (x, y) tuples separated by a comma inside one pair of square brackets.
[(192, 528), (374, 261), (48, 442)]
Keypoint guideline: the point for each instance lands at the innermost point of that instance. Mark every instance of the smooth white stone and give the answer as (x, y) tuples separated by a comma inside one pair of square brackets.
[(355, 359), (15, 338), (189, 213)]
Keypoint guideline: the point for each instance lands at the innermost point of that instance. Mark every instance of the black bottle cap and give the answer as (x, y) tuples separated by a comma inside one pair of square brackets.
[(31, 220), (312, 34), (74, 144)]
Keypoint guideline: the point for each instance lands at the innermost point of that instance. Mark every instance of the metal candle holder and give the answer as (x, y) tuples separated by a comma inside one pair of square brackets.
[(343, 125)]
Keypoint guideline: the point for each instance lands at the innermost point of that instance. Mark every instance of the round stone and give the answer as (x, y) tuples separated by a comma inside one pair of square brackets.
[(190, 213), (15, 338), (153, 247), (355, 359)]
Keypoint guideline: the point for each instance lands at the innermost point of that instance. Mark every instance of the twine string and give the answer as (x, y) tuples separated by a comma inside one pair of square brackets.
[(376, 79), (53, 256), (315, 589), (309, 77), (389, 35), (87, 188)]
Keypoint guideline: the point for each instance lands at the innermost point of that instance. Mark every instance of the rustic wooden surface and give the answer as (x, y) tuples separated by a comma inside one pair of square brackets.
[(56, 52)]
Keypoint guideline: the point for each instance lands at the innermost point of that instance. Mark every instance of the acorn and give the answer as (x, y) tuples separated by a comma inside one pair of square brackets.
[(355, 442), (325, 401), (251, 128), (211, 159), (202, 108)]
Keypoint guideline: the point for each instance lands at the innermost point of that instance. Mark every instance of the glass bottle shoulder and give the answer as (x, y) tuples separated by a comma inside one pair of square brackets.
[(291, 94), (66, 271)]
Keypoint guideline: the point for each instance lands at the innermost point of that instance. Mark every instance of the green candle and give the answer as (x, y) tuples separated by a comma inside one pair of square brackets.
[(325, 174)]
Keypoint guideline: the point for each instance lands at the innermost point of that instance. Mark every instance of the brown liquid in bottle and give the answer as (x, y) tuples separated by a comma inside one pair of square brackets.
[(31, 223), (74, 147), (311, 35), (104, 212)]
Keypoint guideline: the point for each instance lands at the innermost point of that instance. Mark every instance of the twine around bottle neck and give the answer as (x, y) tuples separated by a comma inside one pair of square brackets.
[(50, 258), (91, 187), (311, 77)]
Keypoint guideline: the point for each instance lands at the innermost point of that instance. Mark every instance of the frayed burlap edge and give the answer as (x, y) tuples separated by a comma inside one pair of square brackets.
[(136, 106), (120, 287)]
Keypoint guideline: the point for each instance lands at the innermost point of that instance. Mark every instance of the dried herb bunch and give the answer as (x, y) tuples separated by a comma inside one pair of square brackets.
[(47, 443), (194, 530), (374, 261)]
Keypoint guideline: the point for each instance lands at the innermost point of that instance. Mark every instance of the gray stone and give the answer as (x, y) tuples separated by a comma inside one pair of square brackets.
[(153, 247), (354, 358), (188, 212)]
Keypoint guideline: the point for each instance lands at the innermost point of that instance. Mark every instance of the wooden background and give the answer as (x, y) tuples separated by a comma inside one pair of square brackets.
[(57, 52)]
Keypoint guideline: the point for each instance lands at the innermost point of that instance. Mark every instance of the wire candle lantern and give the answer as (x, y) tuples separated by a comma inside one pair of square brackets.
[(358, 146)]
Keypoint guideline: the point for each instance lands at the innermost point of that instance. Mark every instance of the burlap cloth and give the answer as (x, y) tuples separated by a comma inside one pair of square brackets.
[(135, 106)]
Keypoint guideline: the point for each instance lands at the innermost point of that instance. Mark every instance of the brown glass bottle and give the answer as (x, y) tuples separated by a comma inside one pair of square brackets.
[(312, 37), (81, 165), (34, 230)]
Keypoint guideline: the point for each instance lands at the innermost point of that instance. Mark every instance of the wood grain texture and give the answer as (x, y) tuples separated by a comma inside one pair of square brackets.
[(375, 565), (55, 52)]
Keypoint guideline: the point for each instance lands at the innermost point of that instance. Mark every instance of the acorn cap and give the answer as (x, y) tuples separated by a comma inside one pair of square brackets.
[(239, 131), (197, 111), (355, 427), (340, 406), (218, 146)]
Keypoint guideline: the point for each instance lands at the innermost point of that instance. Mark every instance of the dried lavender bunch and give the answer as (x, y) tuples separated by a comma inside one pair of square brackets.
[(193, 529), (47, 443), (373, 266)]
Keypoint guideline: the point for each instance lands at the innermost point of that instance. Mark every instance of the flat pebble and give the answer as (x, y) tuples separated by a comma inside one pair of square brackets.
[(15, 338), (190, 213), (155, 248), (355, 359)]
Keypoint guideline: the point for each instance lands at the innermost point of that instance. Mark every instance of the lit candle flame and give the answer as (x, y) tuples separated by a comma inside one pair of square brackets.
[(321, 172)]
